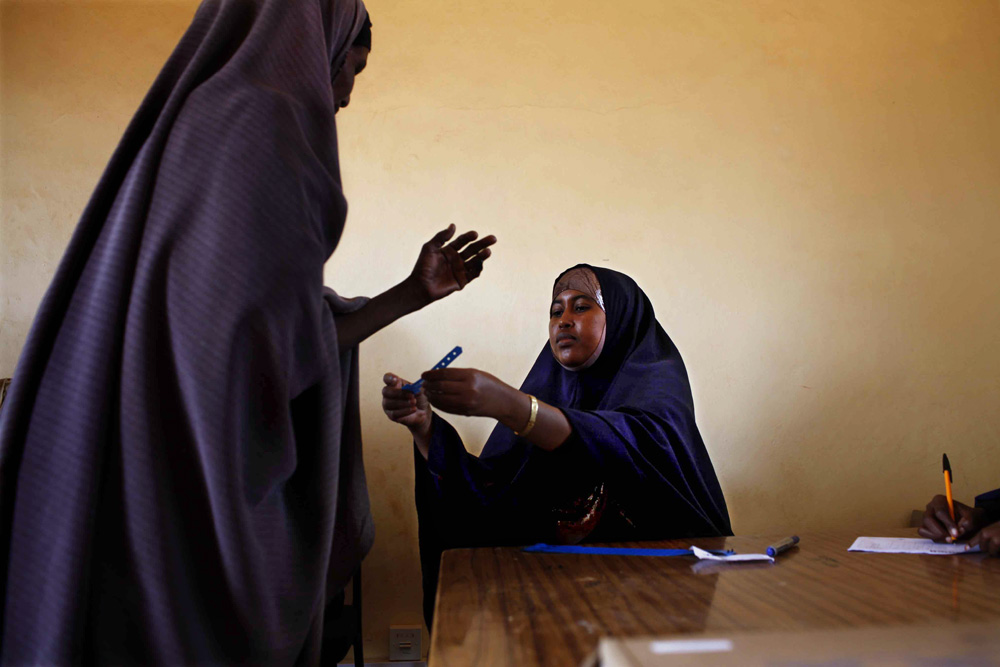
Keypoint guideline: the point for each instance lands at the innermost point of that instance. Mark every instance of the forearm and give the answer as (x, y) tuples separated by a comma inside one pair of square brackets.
[(378, 313), (551, 428), (422, 437)]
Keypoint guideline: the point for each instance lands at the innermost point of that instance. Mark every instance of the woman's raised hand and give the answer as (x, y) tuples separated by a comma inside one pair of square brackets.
[(443, 267), (402, 407)]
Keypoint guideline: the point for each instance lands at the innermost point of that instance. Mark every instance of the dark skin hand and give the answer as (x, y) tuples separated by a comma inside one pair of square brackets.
[(441, 269), (939, 527), (412, 411), (576, 328), (474, 393), (987, 539)]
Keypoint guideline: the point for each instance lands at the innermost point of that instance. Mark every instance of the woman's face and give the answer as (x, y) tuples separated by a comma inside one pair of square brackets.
[(343, 82), (576, 328)]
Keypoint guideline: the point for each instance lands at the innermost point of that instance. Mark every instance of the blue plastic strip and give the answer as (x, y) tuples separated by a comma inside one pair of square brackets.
[(448, 358), (613, 551)]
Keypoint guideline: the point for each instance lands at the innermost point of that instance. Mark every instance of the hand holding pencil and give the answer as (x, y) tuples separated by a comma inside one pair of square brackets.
[(940, 527)]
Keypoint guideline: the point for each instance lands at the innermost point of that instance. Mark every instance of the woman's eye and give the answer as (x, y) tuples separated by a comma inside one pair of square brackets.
[(555, 313), (580, 308)]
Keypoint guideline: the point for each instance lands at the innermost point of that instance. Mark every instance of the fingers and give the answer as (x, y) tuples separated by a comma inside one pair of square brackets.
[(456, 265), (467, 237), (442, 237), (443, 374), (987, 539), (398, 409), (401, 413), (395, 401), (474, 267), (991, 545), (944, 518), (452, 403), (475, 248), (938, 522), (932, 528), (937, 536), (448, 389), (972, 518)]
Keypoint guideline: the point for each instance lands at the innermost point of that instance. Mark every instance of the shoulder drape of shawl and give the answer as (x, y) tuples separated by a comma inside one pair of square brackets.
[(990, 503), (634, 429), (180, 467)]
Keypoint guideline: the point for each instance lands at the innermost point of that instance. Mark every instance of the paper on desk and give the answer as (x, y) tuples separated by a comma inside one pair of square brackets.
[(731, 558), (908, 545)]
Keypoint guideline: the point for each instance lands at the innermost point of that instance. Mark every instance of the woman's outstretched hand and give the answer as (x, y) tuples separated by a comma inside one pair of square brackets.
[(475, 393), (443, 267), (469, 392)]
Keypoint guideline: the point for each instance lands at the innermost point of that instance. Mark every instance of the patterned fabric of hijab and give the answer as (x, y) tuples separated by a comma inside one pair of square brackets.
[(634, 430), (180, 464), (580, 279)]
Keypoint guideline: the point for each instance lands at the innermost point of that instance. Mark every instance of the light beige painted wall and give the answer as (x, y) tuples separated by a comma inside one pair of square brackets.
[(808, 191)]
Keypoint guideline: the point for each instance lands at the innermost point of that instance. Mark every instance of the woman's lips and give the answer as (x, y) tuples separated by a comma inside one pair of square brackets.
[(565, 340)]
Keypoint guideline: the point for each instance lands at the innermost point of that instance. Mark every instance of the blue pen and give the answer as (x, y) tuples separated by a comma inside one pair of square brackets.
[(448, 358), (782, 545)]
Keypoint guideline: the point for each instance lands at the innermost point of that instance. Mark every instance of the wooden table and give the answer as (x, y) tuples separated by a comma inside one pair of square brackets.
[(501, 606)]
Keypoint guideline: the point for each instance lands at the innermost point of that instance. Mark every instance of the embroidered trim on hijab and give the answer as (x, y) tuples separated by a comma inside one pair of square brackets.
[(580, 280), (364, 37)]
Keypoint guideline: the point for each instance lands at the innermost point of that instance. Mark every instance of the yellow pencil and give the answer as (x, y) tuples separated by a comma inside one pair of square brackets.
[(947, 484)]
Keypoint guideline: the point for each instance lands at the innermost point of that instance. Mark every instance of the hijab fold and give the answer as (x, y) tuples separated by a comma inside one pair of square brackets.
[(180, 462)]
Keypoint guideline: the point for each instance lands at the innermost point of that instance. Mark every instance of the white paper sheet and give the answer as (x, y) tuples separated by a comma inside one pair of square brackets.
[(734, 558), (908, 545)]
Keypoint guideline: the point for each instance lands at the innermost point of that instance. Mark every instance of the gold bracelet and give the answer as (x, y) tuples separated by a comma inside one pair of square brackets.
[(531, 420)]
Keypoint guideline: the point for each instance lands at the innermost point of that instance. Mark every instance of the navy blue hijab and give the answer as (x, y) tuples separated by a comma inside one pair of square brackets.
[(634, 432), (180, 467)]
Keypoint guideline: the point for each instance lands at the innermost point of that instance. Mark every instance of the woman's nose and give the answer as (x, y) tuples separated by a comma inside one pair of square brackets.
[(565, 323)]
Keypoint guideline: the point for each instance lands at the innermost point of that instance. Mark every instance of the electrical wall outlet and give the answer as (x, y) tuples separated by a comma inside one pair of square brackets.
[(404, 642)]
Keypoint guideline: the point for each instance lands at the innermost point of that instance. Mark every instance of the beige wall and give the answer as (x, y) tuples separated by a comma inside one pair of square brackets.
[(807, 190)]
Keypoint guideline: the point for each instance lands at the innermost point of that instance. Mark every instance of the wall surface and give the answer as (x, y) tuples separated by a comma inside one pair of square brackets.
[(808, 191)]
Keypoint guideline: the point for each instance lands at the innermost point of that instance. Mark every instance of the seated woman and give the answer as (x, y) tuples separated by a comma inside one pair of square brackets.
[(599, 444), (980, 525)]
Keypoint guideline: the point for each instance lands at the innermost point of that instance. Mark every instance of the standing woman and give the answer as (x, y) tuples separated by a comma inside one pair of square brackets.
[(180, 459)]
